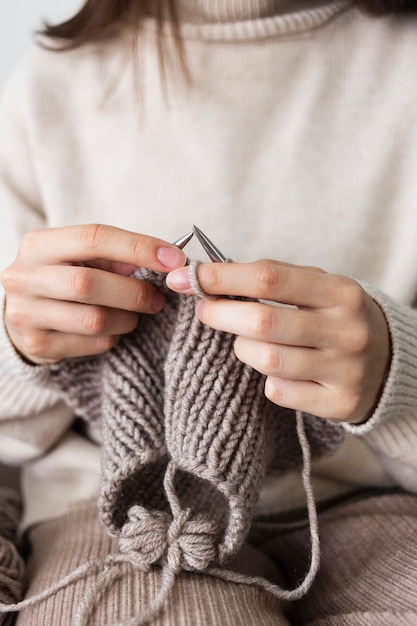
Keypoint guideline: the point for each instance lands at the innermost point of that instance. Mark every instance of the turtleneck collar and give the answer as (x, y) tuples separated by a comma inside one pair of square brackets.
[(250, 19), (226, 11)]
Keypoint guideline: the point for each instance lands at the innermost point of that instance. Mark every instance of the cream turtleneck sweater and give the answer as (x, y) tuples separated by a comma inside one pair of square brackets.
[(296, 141)]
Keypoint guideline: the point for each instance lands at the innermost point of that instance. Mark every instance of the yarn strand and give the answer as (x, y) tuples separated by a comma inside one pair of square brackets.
[(168, 581), (81, 572), (173, 565), (304, 586), (94, 592), (211, 427)]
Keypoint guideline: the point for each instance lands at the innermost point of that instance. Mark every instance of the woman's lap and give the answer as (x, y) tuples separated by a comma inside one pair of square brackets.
[(368, 572), (59, 546)]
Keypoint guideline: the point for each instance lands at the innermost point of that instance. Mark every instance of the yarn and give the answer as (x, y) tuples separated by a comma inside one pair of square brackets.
[(109, 567), (11, 563), (187, 437)]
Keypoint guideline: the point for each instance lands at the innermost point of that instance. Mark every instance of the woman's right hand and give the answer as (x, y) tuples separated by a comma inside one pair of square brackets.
[(69, 292)]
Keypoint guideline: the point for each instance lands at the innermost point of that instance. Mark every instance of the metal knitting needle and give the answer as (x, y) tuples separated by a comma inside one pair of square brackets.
[(214, 253), (182, 241)]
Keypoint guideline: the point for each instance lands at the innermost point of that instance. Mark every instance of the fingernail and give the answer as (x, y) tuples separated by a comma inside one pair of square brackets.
[(179, 280), (158, 302), (170, 257)]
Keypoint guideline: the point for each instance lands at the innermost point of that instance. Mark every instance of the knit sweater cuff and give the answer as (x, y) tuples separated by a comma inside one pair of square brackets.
[(24, 386), (395, 417)]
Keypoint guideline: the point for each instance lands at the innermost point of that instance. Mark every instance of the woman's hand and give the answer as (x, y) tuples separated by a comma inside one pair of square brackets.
[(326, 355), (69, 293)]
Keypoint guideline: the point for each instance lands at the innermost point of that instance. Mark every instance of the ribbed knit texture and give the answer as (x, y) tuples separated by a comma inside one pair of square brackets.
[(367, 576), (187, 436), (400, 391), (173, 390), (264, 147), (368, 569), (244, 20), (60, 545), (11, 563), (271, 127)]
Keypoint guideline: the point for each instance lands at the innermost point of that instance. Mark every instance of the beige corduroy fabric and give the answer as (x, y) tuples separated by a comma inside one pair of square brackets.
[(368, 570), (367, 575), (60, 545)]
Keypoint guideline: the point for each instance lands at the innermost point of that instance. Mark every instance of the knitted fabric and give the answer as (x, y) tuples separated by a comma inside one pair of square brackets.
[(11, 563), (187, 437), (173, 389)]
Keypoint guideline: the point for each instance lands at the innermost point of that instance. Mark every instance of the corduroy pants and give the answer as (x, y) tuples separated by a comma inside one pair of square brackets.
[(368, 573)]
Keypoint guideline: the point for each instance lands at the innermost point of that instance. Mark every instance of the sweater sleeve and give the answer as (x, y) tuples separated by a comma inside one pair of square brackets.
[(392, 430), (32, 417)]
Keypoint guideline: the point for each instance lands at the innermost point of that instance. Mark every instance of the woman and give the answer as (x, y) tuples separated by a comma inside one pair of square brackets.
[(286, 131)]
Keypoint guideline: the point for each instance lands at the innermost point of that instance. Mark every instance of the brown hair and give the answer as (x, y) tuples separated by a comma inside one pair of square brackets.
[(96, 16)]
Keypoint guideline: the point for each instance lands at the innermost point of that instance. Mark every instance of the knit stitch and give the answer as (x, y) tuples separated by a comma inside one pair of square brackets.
[(188, 436), (11, 563), (175, 385)]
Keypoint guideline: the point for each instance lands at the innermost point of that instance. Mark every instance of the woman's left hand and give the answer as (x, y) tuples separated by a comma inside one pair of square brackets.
[(326, 355)]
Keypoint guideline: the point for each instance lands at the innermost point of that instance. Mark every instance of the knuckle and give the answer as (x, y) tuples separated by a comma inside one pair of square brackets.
[(81, 284), (361, 340), (104, 343), (15, 315), (94, 320), (262, 322), (270, 360), (357, 339), (273, 391), (352, 294), (139, 247), (27, 243), (132, 322), (267, 277), (90, 235), (142, 296), (348, 406), (10, 279), (36, 345)]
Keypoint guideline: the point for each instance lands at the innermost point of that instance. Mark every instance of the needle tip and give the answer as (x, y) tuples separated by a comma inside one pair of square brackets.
[(182, 241), (214, 253)]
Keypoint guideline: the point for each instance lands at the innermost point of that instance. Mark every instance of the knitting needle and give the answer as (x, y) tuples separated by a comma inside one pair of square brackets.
[(214, 253), (182, 241)]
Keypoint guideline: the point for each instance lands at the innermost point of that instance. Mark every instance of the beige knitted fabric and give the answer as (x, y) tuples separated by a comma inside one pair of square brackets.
[(11, 563), (188, 435), (174, 390)]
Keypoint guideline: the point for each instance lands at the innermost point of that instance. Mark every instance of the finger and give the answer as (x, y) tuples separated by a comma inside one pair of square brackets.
[(80, 319), (270, 280), (94, 286), (310, 397), (291, 363), (45, 347), (96, 241), (264, 322), (126, 269)]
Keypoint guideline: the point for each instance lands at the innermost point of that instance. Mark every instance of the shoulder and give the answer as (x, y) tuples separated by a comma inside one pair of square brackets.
[(48, 77)]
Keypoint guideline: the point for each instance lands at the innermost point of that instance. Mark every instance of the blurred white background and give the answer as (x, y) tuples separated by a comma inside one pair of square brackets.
[(19, 20)]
